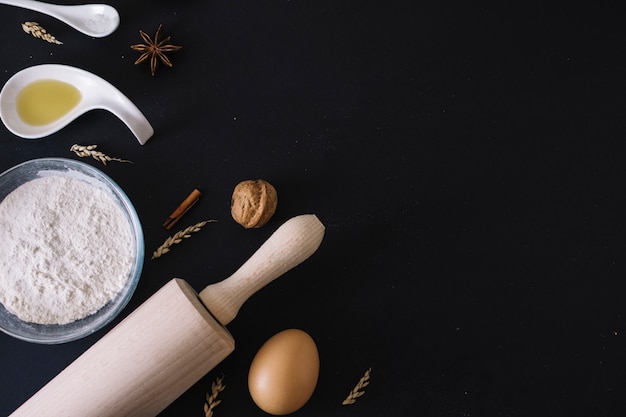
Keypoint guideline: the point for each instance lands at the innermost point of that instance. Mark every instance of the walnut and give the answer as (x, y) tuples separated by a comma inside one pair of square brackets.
[(253, 203)]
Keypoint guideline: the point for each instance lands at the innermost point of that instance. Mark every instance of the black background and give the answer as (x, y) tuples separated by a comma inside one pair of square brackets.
[(467, 161)]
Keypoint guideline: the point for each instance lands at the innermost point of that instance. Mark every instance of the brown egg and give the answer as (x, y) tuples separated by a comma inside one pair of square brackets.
[(284, 372)]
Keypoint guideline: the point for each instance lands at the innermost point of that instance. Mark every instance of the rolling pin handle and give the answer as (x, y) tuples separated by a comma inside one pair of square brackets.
[(292, 243)]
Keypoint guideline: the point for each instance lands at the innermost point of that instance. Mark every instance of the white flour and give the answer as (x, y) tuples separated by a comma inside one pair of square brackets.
[(65, 250)]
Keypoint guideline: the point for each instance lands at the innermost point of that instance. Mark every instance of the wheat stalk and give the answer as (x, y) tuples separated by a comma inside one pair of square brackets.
[(357, 391), (88, 150), (211, 399), (178, 237), (38, 32)]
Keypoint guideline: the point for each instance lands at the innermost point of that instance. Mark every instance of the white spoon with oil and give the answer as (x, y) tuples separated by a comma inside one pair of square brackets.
[(43, 99), (97, 20)]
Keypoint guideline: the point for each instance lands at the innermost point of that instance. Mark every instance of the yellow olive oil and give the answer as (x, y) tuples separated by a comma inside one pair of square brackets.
[(45, 101)]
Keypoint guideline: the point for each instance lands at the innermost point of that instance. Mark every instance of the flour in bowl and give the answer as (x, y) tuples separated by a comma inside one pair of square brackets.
[(66, 250)]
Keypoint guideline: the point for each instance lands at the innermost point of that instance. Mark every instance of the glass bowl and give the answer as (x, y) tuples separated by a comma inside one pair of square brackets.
[(61, 333)]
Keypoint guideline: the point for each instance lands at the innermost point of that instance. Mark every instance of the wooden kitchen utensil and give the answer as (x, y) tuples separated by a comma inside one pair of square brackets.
[(171, 341)]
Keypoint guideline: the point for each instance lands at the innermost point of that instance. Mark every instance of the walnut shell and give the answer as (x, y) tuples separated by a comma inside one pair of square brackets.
[(253, 203)]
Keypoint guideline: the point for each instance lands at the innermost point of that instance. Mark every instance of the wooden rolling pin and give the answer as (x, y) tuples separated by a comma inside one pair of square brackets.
[(171, 341)]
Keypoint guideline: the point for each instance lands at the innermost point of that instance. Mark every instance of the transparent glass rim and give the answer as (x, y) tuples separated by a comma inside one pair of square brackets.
[(54, 334)]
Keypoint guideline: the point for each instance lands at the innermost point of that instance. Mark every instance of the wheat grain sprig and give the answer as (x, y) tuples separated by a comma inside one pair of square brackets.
[(38, 32), (211, 399), (357, 391), (88, 150), (178, 237)]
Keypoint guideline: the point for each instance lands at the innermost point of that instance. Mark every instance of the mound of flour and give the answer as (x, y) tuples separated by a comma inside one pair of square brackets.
[(65, 250)]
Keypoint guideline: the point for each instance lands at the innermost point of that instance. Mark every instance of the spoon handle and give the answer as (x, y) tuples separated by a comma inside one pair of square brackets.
[(133, 118), (29, 4), (41, 7)]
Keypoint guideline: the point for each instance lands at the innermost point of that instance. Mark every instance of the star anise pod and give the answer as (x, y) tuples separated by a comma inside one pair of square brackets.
[(154, 49)]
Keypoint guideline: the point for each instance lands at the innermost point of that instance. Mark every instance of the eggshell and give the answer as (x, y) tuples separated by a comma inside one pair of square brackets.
[(284, 372)]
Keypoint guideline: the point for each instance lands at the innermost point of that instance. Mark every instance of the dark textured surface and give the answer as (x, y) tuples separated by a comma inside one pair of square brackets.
[(467, 161)]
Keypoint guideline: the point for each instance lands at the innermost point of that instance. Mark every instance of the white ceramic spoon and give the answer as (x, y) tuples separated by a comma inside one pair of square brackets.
[(96, 93), (97, 20)]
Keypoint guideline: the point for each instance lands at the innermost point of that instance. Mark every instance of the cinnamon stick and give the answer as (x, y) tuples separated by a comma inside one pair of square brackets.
[(182, 209)]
